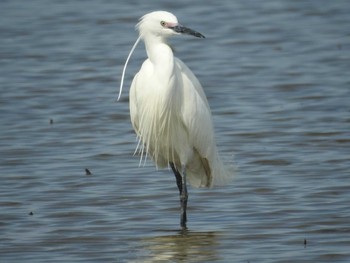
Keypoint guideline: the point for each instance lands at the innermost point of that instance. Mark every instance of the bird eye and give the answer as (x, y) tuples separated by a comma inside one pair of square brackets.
[(162, 23)]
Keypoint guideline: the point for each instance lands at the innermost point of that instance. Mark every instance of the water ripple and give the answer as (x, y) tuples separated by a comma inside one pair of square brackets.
[(276, 76)]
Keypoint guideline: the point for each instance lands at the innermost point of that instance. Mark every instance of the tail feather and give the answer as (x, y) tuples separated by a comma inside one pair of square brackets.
[(202, 173), (222, 174)]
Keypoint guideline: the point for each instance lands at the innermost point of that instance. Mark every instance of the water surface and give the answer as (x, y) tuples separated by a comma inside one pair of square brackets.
[(277, 78)]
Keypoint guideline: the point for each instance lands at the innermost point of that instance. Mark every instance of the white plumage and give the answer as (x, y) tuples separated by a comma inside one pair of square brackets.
[(169, 110)]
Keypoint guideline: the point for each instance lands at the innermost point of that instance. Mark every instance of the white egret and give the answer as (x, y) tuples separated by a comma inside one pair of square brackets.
[(170, 112)]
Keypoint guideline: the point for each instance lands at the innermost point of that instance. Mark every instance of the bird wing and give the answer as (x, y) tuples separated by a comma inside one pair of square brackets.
[(135, 90), (196, 112), (190, 81), (197, 119)]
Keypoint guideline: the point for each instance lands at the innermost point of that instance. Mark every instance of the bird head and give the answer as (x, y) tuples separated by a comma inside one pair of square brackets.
[(163, 24)]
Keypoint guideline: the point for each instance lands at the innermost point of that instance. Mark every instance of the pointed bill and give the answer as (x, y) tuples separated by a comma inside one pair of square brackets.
[(187, 31)]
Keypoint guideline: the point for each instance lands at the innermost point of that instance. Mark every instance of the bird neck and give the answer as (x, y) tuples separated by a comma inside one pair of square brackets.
[(160, 54)]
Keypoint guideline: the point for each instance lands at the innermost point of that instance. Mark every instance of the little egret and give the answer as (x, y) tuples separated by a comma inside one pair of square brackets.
[(170, 112)]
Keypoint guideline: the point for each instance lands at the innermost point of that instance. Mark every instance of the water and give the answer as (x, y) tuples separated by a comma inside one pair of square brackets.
[(277, 78)]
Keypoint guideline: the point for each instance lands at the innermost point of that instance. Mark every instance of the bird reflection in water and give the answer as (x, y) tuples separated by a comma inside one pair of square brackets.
[(185, 246)]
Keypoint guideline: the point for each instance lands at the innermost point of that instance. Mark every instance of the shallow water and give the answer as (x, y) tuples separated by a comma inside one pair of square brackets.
[(277, 78)]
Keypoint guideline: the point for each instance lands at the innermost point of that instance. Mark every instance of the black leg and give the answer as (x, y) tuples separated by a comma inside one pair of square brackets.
[(177, 176), (181, 184), (183, 200)]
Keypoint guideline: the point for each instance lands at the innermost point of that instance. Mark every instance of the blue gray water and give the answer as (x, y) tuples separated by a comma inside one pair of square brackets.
[(276, 74)]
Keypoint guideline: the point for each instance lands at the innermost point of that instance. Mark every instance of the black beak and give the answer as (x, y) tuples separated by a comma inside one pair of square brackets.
[(185, 30)]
